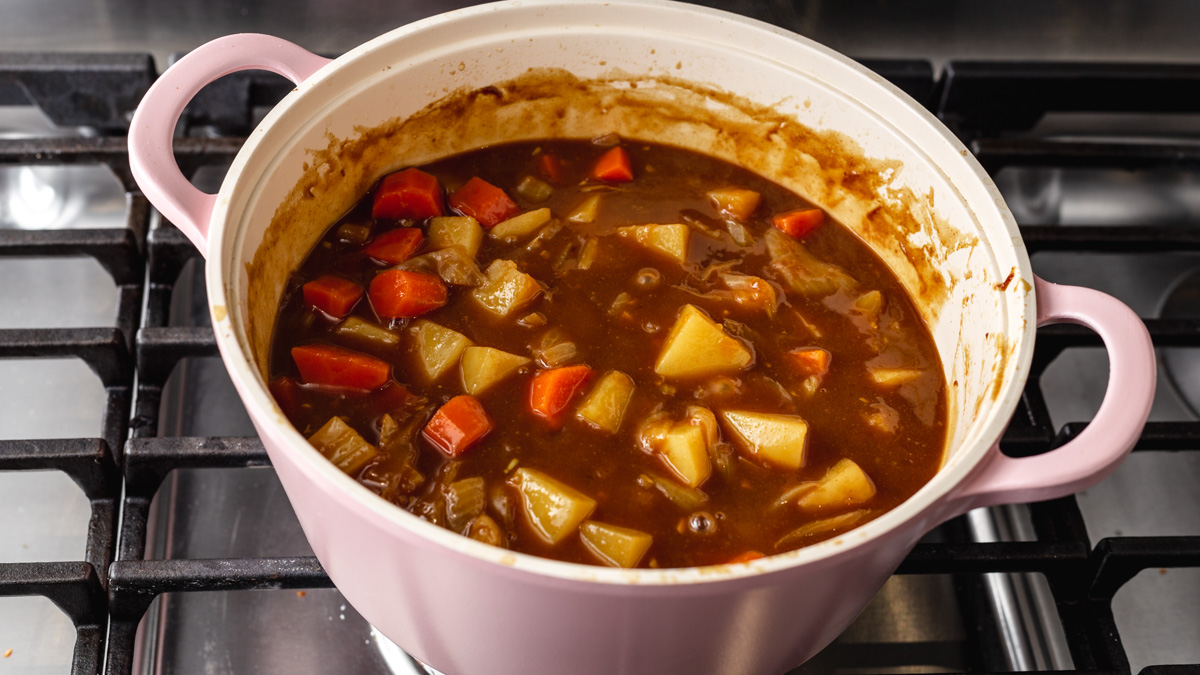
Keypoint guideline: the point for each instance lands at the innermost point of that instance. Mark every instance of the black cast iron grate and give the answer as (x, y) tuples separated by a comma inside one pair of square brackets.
[(107, 593)]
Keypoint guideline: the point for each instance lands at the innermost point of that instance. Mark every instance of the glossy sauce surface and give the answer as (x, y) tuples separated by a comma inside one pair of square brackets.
[(616, 311)]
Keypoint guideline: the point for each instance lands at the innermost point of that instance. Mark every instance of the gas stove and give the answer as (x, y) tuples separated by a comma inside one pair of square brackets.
[(140, 530)]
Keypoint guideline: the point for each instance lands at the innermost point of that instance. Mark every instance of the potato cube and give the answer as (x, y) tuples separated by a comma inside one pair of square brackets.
[(845, 484), (438, 347), (484, 366), (686, 453), (737, 203), (614, 545), (604, 406), (520, 226), (343, 446), (669, 239), (894, 377), (697, 346), (775, 439), (463, 232), (554, 509), (586, 211), (507, 288)]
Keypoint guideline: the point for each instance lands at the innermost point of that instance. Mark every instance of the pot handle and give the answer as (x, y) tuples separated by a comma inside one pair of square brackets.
[(1098, 449), (151, 132)]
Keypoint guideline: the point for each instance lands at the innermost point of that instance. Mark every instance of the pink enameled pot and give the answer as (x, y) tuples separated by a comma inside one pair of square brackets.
[(790, 109)]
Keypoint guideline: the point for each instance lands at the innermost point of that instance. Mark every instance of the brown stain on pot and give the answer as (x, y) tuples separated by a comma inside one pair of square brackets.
[(826, 167)]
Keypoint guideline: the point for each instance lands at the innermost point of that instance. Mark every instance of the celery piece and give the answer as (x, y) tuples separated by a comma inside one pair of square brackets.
[(361, 329), (343, 446)]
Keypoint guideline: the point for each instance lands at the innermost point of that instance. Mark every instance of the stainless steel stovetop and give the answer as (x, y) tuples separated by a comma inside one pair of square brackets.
[(915, 625)]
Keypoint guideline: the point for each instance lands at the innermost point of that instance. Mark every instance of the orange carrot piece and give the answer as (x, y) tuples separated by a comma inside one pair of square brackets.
[(810, 360), (333, 295), (410, 193), (550, 167), (396, 246), (337, 367), (458, 425), (552, 390), (613, 167), (484, 202), (400, 294), (799, 223), (745, 557), (287, 394)]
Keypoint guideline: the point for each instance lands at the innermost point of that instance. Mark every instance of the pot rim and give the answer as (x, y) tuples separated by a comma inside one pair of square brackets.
[(937, 497)]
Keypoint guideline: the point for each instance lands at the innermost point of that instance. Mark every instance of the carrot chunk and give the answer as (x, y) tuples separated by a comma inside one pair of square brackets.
[(458, 425), (410, 193), (613, 167), (333, 295), (484, 202), (336, 367), (809, 360), (287, 394), (745, 557), (552, 390), (799, 223), (396, 246), (397, 294), (550, 167), (390, 398)]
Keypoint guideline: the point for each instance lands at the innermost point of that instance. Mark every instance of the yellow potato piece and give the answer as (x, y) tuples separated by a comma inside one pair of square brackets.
[(343, 446), (461, 231), (697, 346), (554, 509), (586, 211), (484, 366), (507, 288), (671, 240), (614, 545), (686, 452), (845, 484), (738, 203), (520, 226), (894, 377), (438, 347), (604, 406), (775, 439)]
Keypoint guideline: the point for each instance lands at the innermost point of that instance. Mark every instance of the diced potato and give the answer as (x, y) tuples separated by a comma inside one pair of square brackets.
[(554, 509), (520, 226), (507, 288), (604, 406), (845, 484), (703, 418), (819, 527), (361, 329), (484, 366), (588, 253), (343, 446), (614, 545), (686, 452), (461, 231), (697, 346), (438, 347), (586, 211), (775, 439), (894, 377), (671, 240), (737, 203), (803, 272)]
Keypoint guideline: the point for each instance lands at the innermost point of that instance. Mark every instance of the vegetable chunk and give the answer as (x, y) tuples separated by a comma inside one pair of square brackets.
[(507, 288), (333, 295), (775, 439), (484, 202), (614, 545), (737, 203), (461, 231), (395, 246), (438, 347), (520, 226), (337, 367), (604, 406), (800, 223), (684, 444), (671, 240), (613, 167), (894, 377), (410, 193), (697, 346), (400, 294), (845, 484), (553, 508), (458, 425), (551, 391), (343, 446), (483, 367)]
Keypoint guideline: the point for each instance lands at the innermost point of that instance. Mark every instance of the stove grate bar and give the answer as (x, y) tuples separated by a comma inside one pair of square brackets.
[(1117, 560), (76, 589), (1111, 238), (998, 153)]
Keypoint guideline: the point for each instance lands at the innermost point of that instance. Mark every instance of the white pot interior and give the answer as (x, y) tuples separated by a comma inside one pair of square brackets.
[(784, 107)]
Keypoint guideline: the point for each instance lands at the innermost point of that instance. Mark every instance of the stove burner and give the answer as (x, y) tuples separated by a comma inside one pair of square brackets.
[(1182, 366)]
